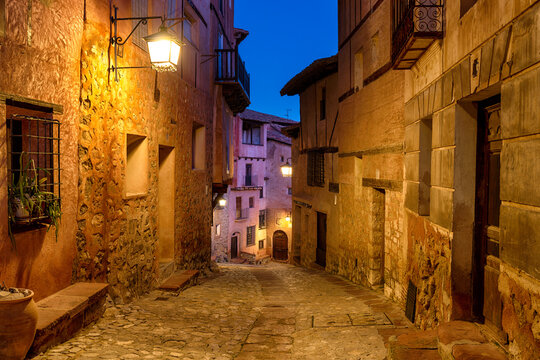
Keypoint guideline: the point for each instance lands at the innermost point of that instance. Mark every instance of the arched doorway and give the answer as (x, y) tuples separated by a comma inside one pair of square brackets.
[(281, 245)]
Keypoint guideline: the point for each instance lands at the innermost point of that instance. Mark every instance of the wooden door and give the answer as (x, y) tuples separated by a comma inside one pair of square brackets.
[(234, 247), (488, 204), (281, 245), (321, 239)]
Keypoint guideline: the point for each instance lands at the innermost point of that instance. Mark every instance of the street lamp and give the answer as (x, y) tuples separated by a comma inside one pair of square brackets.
[(163, 46), (286, 169), (164, 49), (222, 201)]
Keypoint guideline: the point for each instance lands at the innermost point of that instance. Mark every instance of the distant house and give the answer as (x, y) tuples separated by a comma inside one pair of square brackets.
[(256, 222)]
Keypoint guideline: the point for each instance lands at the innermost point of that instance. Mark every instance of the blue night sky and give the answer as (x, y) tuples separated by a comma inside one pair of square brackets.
[(285, 36)]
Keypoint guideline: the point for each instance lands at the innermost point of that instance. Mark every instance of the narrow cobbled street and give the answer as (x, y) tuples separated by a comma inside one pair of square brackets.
[(275, 311)]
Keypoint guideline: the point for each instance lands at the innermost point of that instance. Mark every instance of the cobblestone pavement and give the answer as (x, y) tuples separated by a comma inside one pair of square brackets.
[(275, 311)]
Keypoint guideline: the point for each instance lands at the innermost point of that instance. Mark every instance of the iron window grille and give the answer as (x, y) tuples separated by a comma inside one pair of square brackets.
[(33, 166), (315, 168), (250, 236)]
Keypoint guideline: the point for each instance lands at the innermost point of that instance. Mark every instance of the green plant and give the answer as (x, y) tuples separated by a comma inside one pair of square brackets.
[(27, 199)]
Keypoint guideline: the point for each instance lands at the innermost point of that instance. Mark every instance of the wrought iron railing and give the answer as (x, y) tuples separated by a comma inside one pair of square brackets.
[(230, 67), (420, 18)]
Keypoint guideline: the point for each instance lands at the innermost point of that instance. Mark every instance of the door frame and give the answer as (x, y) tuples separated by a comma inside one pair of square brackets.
[(235, 237)]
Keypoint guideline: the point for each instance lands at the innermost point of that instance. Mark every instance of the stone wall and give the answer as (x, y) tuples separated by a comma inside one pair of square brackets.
[(40, 45), (117, 232)]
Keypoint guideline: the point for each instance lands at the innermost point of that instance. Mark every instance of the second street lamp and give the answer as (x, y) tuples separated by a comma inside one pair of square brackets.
[(286, 169)]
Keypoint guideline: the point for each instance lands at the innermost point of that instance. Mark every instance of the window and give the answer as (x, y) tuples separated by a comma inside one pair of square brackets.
[(261, 244), (136, 165), (281, 158), (251, 133), (171, 11), (33, 164), (289, 191), (238, 207), (262, 219), (221, 6), (220, 40), (139, 8), (251, 202), (250, 236), (359, 70), (322, 104), (248, 180), (187, 31), (261, 193), (315, 168), (465, 6), (198, 144)]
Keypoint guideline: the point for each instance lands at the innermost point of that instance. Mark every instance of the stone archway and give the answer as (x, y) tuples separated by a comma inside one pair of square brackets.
[(280, 243)]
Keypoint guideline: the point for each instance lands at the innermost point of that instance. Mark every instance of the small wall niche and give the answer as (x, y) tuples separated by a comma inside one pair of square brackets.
[(136, 183), (199, 147)]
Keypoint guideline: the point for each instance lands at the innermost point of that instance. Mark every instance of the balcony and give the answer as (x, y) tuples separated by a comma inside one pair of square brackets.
[(416, 25), (232, 74), (242, 214)]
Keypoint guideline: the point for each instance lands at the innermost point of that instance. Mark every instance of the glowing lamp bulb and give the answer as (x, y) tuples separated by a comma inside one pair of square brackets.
[(164, 50), (222, 202), (286, 170)]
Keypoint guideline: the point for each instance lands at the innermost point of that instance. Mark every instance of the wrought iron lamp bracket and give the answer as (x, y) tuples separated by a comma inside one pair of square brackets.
[(117, 41)]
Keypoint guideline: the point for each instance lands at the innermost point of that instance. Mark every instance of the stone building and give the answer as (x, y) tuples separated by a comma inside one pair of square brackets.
[(140, 158), (255, 223), (435, 151)]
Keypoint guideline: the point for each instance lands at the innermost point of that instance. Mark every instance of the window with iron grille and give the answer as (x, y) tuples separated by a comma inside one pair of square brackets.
[(262, 219), (250, 236), (261, 244), (261, 193), (33, 164), (315, 168)]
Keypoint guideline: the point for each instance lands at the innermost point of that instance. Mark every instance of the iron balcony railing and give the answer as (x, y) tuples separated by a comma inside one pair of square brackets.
[(231, 68), (242, 214), (415, 18)]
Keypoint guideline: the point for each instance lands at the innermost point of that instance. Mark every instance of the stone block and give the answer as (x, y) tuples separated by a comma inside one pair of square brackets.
[(520, 171), (442, 167), (520, 112), (437, 97), (477, 352), (520, 238), (443, 128), (447, 89), (459, 330), (498, 59), (485, 64), (70, 304), (411, 111), (412, 137), (441, 207), (411, 195), (92, 291), (412, 163), (525, 40), (465, 72)]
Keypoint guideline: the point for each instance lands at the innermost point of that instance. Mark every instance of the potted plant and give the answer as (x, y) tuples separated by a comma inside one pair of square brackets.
[(29, 203), (18, 312)]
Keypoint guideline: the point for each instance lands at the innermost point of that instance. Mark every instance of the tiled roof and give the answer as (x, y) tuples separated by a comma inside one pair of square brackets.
[(314, 72), (274, 133), (265, 118)]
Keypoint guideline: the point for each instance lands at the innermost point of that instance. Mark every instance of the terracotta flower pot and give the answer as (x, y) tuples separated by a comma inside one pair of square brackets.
[(18, 320)]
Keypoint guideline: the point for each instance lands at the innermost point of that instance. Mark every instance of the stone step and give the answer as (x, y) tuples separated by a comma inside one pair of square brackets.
[(462, 340), (67, 311), (414, 345), (454, 340), (179, 280)]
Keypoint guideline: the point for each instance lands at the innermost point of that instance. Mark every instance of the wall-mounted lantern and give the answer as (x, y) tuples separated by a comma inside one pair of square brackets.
[(163, 46), (219, 200), (286, 169), (222, 202)]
